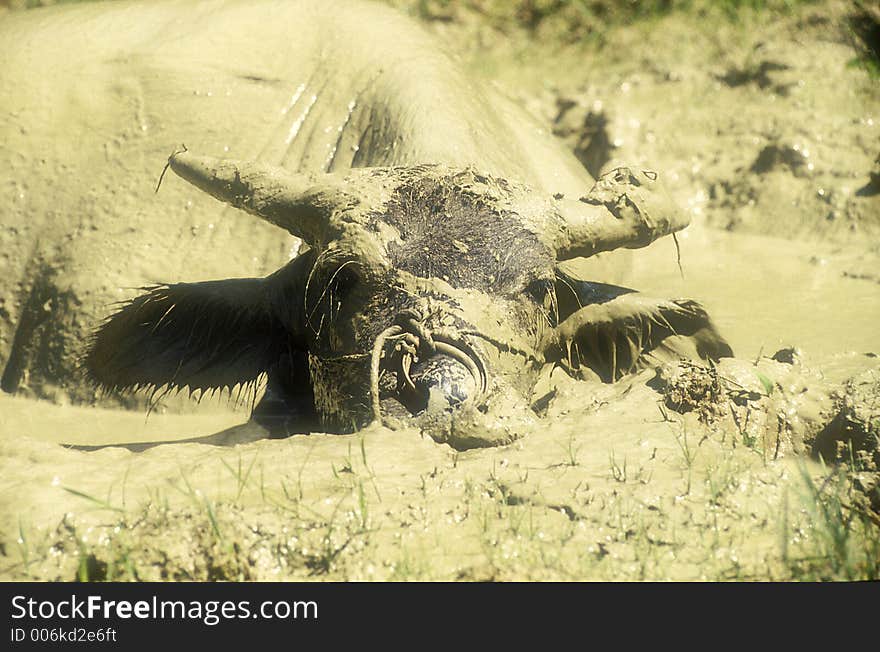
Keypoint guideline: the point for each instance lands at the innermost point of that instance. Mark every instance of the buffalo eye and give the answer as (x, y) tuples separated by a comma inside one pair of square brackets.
[(343, 281), (328, 289), (538, 290), (543, 293)]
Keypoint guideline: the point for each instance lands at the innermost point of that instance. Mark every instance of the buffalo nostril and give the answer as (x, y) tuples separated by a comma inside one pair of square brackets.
[(444, 382), (434, 370)]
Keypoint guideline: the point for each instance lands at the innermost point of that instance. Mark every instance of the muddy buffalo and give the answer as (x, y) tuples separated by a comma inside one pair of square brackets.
[(434, 213), (428, 295)]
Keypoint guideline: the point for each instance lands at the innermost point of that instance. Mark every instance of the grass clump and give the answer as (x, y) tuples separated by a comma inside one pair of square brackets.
[(835, 535)]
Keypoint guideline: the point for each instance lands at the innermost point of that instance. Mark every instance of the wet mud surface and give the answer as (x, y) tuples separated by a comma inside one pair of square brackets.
[(689, 472)]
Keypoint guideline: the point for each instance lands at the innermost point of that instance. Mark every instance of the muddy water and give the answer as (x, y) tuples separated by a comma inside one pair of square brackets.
[(69, 424), (767, 293)]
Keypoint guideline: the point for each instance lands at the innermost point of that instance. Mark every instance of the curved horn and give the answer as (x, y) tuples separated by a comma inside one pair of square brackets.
[(625, 208), (300, 203)]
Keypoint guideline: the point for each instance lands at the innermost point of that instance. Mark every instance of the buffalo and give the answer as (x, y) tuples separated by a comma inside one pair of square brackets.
[(433, 210), (428, 296)]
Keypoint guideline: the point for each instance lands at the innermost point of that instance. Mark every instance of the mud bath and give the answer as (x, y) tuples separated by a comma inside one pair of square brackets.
[(617, 482), (767, 293)]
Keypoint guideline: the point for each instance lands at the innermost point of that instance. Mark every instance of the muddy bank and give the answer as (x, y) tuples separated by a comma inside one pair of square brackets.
[(764, 124), (623, 482)]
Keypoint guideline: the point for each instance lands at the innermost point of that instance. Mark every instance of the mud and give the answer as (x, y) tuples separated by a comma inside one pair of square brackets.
[(688, 473)]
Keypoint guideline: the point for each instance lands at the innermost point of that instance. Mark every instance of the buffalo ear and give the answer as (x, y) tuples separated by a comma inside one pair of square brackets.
[(211, 335), (629, 332), (572, 293)]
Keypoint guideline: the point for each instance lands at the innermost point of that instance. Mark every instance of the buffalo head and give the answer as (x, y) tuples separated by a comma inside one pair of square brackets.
[(428, 295)]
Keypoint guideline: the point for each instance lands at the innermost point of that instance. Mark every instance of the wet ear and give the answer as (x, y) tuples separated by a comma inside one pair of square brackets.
[(572, 293), (216, 334), (629, 332)]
